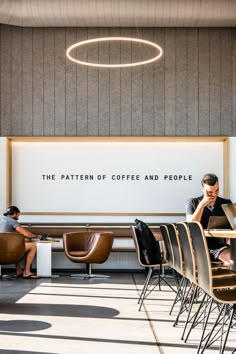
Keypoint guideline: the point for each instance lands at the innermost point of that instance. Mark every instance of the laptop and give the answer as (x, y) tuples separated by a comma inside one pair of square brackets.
[(230, 212), (218, 222)]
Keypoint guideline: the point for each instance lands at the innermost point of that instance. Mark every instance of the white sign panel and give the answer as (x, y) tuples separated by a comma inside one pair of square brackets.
[(111, 177)]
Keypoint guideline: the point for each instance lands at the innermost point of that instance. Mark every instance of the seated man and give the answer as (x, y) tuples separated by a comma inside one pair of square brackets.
[(209, 204), (9, 223)]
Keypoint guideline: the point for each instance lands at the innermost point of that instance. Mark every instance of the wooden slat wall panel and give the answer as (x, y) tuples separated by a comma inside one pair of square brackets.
[(137, 88), (6, 75), (60, 82), (16, 81), (27, 81), (192, 74), (215, 65), (114, 77), (104, 89), (49, 83), (189, 91), (226, 83), (93, 75), (82, 90), (234, 81), (71, 86), (38, 88), (125, 87), (181, 82), (159, 86), (170, 77), (204, 82), (148, 86)]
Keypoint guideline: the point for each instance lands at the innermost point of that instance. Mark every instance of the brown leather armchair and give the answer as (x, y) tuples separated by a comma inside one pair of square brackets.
[(88, 247), (12, 248)]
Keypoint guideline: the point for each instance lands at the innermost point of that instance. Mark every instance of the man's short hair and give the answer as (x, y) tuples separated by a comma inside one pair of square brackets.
[(11, 210), (210, 179)]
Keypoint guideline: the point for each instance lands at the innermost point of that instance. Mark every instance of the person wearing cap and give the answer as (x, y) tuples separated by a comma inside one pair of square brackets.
[(9, 223), (209, 204)]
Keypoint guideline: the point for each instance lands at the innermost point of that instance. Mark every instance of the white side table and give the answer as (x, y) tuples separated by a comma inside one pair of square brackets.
[(44, 258)]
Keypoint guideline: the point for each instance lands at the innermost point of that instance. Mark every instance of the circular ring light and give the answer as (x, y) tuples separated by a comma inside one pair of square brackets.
[(111, 39)]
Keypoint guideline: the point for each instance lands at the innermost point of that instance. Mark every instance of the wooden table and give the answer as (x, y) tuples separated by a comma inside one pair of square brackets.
[(226, 234)]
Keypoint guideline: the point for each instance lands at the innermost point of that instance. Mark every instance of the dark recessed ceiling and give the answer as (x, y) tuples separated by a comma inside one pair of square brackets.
[(118, 13)]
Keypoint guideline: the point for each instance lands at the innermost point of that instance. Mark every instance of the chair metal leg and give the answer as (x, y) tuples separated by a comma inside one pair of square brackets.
[(228, 329), (210, 339), (160, 277), (196, 290), (89, 275), (196, 318), (176, 278), (179, 294), (149, 287), (204, 327), (152, 285), (146, 286), (184, 305)]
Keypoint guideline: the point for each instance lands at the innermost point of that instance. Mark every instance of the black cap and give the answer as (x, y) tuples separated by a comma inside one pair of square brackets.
[(11, 210)]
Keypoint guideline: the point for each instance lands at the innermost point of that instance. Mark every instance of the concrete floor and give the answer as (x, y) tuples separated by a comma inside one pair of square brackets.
[(71, 315)]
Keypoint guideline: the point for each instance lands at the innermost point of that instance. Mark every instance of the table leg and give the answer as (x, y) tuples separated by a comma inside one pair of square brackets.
[(44, 259)]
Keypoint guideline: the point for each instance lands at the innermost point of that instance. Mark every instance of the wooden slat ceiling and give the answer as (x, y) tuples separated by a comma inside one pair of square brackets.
[(118, 13)]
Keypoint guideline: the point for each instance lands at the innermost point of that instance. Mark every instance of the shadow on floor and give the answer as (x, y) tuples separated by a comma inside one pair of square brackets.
[(6, 351), (59, 310), (23, 326)]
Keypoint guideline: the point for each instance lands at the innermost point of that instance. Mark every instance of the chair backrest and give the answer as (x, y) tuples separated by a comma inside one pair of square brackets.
[(12, 247), (142, 254), (150, 247), (90, 247), (187, 251), (178, 258), (167, 243), (202, 256), (134, 233)]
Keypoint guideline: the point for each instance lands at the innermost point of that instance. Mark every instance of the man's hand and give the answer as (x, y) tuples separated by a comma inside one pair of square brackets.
[(207, 200)]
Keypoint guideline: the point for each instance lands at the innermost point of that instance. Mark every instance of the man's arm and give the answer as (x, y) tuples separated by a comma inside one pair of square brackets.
[(24, 232), (195, 213)]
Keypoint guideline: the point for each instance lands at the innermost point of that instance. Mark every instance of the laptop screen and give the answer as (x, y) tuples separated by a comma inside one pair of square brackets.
[(218, 222), (230, 212)]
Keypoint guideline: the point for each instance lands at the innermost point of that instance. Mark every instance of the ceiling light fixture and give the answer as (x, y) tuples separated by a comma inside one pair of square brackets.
[(111, 39)]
